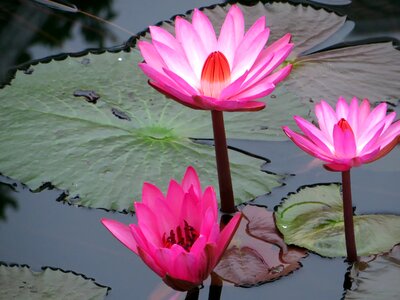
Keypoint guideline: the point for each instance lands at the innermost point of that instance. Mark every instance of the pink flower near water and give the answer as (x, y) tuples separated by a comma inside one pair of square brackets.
[(177, 235), (348, 137), (202, 71)]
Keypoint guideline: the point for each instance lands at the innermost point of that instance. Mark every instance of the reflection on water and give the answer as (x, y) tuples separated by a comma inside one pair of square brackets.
[(6, 200), (26, 24)]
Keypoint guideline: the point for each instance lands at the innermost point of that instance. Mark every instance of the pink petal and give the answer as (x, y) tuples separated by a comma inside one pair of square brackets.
[(352, 117), (307, 146), (250, 47), (162, 36), (227, 105), (342, 109), (192, 45), (344, 142), (151, 263), (209, 201), (390, 134), (156, 76), (226, 236), (150, 217), (226, 40), (314, 134), (151, 56), (372, 142), (266, 69), (337, 167), (233, 88), (376, 115), (279, 75), (174, 94), (326, 118), (191, 179), (363, 113), (181, 83), (177, 63), (238, 23), (205, 30), (258, 90), (151, 195), (174, 199), (278, 45), (121, 232)]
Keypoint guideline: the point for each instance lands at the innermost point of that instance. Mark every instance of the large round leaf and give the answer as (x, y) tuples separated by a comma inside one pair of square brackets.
[(103, 145), (313, 218), (21, 283)]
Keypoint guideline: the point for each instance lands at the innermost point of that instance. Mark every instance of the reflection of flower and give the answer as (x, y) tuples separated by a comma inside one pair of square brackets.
[(178, 235), (351, 136), (224, 74)]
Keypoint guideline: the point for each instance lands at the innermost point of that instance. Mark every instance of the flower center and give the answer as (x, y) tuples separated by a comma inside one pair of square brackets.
[(344, 125), (216, 74), (184, 237)]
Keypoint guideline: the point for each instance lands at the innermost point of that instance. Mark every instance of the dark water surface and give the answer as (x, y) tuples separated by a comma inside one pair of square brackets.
[(40, 231)]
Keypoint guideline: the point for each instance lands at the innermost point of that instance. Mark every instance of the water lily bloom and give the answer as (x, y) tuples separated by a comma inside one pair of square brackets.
[(177, 235), (202, 71), (348, 137)]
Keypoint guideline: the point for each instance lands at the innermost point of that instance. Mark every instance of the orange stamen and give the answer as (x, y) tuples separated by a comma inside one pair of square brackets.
[(216, 74)]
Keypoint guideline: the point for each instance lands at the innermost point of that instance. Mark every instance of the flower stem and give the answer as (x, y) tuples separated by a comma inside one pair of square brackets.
[(193, 294), (215, 287), (224, 172), (348, 218)]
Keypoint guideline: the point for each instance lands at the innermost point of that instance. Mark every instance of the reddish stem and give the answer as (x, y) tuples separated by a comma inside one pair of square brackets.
[(224, 172), (348, 218)]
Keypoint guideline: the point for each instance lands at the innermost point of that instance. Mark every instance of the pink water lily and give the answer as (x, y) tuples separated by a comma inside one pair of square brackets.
[(177, 235), (202, 71), (348, 137)]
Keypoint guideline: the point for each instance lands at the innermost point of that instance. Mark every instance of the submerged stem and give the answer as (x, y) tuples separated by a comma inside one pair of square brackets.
[(348, 218), (221, 154), (193, 294)]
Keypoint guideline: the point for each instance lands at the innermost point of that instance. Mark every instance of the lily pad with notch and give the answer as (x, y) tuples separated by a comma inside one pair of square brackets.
[(313, 218)]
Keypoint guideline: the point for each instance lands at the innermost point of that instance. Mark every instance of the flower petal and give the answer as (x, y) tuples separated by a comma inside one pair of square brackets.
[(344, 142), (205, 30), (191, 179), (314, 134), (121, 232), (227, 105), (192, 45)]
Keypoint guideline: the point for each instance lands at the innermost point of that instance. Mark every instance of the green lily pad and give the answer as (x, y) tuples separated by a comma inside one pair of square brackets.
[(312, 218), (21, 283), (377, 278), (114, 134)]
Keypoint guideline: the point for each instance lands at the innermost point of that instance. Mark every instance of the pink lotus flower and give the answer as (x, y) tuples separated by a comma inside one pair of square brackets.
[(351, 136), (224, 74), (178, 235)]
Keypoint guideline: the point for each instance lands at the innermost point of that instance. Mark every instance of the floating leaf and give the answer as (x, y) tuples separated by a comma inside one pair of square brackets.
[(376, 279), (21, 283), (104, 151), (366, 71), (313, 218), (257, 253)]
